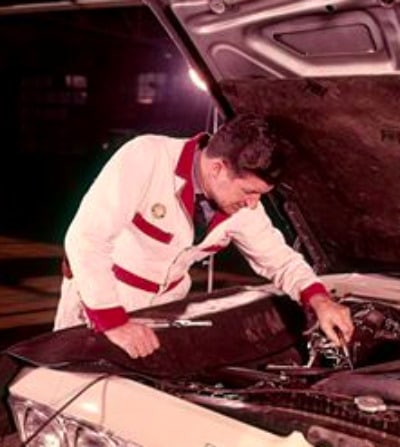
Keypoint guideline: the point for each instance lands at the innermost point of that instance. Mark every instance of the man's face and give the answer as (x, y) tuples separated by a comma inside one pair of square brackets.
[(231, 192)]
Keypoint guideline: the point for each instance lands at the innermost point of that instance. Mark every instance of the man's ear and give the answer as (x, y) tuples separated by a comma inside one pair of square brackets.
[(216, 166)]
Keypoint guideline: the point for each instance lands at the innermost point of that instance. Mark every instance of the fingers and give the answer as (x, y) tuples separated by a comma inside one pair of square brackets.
[(131, 350), (144, 340), (337, 318), (153, 339), (330, 332), (135, 339), (333, 317), (346, 325)]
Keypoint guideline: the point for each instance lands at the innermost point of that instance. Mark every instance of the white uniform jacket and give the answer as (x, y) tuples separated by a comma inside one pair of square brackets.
[(130, 244)]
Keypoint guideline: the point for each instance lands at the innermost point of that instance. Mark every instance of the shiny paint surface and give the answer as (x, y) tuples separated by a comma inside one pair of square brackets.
[(131, 410)]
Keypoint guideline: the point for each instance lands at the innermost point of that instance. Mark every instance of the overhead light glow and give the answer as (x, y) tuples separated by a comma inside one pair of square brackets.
[(197, 81)]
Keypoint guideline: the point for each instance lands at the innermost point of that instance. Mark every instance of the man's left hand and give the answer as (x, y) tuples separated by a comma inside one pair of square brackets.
[(332, 317)]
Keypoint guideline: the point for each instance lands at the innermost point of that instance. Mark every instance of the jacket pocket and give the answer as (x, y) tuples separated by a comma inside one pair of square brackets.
[(151, 230)]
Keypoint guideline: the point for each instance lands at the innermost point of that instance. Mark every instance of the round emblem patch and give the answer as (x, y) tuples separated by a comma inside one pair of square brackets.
[(158, 210)]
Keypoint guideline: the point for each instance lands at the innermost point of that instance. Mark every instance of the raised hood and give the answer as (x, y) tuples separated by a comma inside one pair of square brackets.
[(327, 74)]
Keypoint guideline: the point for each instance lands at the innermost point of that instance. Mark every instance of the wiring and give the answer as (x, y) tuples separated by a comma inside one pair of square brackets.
[(62, 408)]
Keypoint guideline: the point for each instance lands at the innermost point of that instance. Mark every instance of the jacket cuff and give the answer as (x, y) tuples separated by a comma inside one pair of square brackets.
[(316, 288), (105, 319)]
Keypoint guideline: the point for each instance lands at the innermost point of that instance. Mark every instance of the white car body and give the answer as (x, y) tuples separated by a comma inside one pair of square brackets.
[(141, 415)]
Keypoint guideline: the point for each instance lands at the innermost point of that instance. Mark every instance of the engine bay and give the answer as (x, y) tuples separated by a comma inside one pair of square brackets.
[(260, 359), (334, 402)]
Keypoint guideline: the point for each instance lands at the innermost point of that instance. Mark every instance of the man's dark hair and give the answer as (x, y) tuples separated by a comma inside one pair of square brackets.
[(248, 144)]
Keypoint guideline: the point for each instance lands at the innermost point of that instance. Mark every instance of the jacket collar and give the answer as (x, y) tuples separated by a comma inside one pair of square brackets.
[(184, 170)]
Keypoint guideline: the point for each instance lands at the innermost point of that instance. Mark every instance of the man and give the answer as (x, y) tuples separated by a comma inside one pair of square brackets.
[(133, 239)]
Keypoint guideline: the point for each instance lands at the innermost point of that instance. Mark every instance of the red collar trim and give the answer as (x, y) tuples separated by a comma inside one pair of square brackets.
[(218, 218), (185, 162), (184, 170)]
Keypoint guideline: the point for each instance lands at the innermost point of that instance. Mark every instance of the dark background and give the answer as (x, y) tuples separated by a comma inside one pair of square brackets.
[(74, 85)]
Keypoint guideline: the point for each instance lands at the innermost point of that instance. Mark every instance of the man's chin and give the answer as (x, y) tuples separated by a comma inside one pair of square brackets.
[(228, 209), (231, 210)]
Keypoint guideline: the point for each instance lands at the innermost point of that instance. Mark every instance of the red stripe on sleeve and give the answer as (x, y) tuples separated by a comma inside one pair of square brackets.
[(316, 288), (104, 319)]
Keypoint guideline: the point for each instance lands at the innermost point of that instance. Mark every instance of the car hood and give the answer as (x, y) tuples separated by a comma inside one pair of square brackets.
[(326, 75), (275, 375)]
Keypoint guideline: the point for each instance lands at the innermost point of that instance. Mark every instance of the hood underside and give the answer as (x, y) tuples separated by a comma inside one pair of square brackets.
[(326, 74), (343, 168)]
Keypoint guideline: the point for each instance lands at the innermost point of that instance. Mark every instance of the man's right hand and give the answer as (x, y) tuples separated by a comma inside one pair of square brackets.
[(136, 339)]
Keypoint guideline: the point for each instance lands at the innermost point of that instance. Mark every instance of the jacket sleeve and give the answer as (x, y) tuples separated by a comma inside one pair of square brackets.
[(106, 208), (268, 254)]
